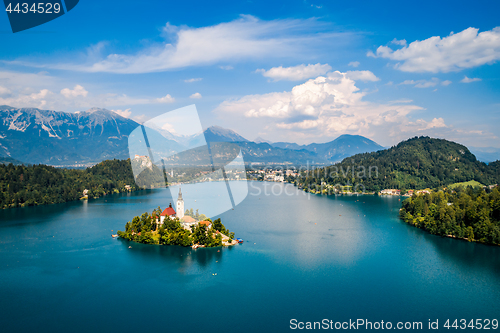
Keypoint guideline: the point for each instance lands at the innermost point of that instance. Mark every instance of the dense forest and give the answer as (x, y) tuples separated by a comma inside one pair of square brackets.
[(469, 213), (143, 229), (417, 163), (33, 185)]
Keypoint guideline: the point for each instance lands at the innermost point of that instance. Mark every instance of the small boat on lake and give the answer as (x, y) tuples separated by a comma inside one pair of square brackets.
[(114, 236), (239, 240)]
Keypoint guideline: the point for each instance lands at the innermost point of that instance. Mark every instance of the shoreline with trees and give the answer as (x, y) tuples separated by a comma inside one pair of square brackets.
[(23, 186), (147, 229), (471, 214), (414, 164)]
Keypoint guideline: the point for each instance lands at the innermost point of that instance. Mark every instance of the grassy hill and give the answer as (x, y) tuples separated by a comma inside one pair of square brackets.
[(472, 183), (417, 163)]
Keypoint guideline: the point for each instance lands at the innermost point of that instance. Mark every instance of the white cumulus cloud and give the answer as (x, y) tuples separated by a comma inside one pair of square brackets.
[(141, 118), (193, 80), (422, 83), (43, 91), (165, 99), (469, 80), (401, 42), (242, 39), (295, 73), (331, 105), (37, 99), (455, 52), (195, 96), (353, 64), (78, 90), (435, 123), (362, 76), (326, 106), (4, 91), (124, 113)]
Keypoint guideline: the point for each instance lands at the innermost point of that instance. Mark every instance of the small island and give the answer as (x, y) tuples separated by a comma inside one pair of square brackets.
[(169, 227)]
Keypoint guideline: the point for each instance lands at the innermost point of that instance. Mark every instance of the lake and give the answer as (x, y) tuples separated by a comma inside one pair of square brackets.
[(305, 257)]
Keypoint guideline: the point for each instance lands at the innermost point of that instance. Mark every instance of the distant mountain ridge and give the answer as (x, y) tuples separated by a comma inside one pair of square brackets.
[(253, 152), (261, 140), (486, 154), (34, 136), (50, 137), (9, 160), (335, 151), (219, 134), (263, 151)]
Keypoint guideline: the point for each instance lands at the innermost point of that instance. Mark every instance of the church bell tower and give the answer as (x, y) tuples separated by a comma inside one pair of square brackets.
[(180, 205)]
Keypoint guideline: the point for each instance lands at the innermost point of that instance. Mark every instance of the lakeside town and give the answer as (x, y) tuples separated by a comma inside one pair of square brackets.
[(278, 174)]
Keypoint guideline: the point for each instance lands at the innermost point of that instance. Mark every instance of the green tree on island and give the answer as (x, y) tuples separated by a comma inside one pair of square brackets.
[(143, 229)]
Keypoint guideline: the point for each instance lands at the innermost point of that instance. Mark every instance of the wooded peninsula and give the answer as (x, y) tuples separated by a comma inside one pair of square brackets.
[(468, 213), (33, 185), (417, 163)]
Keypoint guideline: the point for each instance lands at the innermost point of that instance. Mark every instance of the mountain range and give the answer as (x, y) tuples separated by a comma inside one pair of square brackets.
[(61, 138), (486, 154), (35, 136), (335, 151)]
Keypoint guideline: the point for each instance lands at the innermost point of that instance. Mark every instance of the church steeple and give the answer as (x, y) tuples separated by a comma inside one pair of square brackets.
[(180, 205)]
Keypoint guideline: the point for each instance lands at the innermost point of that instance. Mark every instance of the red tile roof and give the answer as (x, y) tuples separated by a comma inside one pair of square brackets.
[(207, 223), (169, 211)]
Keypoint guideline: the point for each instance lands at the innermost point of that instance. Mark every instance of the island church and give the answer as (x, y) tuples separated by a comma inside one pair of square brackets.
[(186, 221)]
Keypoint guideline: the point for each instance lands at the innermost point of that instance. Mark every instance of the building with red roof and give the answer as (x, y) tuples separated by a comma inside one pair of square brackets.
[(169, 211), (208, 224)]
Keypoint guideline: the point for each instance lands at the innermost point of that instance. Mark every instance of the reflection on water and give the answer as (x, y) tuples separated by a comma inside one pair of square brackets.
[(467, 255), (183, 257)]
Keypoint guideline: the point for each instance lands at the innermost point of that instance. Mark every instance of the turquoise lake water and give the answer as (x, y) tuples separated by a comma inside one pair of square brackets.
[(305, 257)]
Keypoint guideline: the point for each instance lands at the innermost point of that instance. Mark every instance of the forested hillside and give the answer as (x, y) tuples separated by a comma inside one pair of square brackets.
[(22, 186), (468, 213), (417, 163)]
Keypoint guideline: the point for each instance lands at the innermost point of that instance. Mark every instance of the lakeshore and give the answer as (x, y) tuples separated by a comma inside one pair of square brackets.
[(61, 262)]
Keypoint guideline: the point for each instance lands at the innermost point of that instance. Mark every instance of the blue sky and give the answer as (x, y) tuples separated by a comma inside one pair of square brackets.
[(300, 71)]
